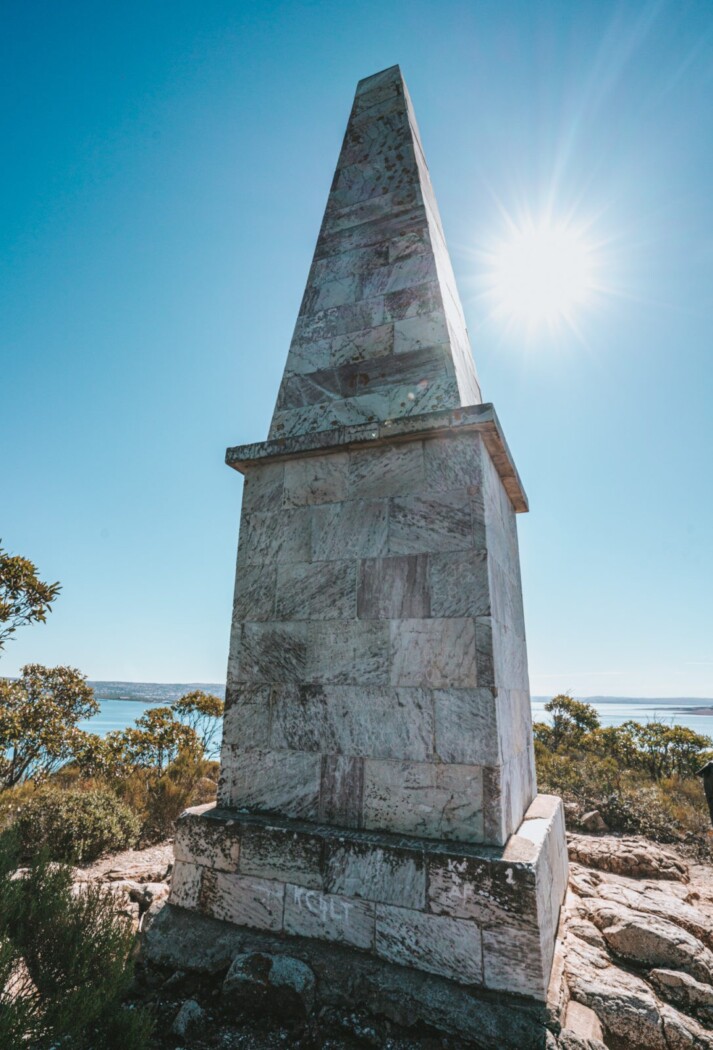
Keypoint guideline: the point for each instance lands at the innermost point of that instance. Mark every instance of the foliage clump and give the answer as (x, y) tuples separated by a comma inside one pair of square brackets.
[(39, 713), (24, 597), (66, 962), (74, 825), (640, 776)]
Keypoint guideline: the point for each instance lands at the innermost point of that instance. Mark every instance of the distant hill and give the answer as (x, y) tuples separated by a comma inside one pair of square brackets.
[(152, 692)]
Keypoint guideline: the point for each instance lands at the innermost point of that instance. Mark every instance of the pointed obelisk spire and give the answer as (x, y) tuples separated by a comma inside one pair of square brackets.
[(381, 332)]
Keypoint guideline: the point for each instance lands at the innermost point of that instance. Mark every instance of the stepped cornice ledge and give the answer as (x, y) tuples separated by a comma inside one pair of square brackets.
[(481, 418)]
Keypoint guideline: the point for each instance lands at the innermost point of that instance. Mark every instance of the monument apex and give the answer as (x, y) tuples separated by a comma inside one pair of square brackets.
[(381, 331)]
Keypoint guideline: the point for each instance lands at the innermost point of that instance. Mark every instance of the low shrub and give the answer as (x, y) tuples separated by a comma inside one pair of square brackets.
[(65, 962), (75, 825)]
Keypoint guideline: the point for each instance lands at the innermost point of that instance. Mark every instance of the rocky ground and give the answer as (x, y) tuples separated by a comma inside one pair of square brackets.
[(635, 953)]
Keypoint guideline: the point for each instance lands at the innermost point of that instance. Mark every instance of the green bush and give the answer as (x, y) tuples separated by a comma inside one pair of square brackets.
[(74, 825), (65, 962)]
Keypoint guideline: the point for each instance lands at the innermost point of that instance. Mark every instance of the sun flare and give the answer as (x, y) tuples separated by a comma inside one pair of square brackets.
[(540, 274)]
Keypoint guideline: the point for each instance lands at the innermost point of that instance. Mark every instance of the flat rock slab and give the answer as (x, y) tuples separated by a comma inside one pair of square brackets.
[(136, 865), (634, 857)]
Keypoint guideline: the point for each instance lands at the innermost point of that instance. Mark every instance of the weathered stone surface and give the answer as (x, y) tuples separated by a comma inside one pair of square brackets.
[(438, 653), (450, 947), (349, 652), (437, 801), (651, 941), (583, 1022), (188, 1017), (354, 720), (593, 821), (355, 529), (656, 898), (394, 588), (276, 853), (686, 992), (245, 901), (272, 652), (275, 536), (359, 283), (341, 791), (418, 524), (458, 584), (627, 856), (473, 888), (317, 479), (355, 869), (270, 781), (351, 980), (316, 590), (329, 917), (466, 726), (246, 722), (212, 844), (186, 885), (290, 982), (502, 944)]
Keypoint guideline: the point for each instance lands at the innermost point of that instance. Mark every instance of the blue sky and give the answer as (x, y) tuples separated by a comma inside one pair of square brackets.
[(166, 168)]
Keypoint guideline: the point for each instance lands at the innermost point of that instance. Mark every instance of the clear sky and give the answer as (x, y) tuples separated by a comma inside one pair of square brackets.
[(165, 168)]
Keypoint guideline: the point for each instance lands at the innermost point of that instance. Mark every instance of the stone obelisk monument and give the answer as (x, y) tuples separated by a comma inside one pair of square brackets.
[(377, 792)]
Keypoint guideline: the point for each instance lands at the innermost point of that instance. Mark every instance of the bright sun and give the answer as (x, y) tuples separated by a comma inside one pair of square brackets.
[(540, 274)]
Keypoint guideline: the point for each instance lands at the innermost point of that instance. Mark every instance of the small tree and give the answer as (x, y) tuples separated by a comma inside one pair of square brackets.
[(157, 739), (571, 721), (38, 720), (24, 597), (665, 751), (202, 712)]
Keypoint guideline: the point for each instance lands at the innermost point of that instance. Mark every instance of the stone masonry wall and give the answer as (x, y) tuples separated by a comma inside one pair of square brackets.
[(373, 679), (477, 915)]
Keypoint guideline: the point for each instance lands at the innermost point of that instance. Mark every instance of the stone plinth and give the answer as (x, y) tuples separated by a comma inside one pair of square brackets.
[(377, 791), (483, 916)]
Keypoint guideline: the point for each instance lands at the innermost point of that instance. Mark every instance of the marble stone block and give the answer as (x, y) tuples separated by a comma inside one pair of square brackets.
[(418, 524), (356, 529), (272, 652), (214, 845), (449, 947), (254, 597), (316, 590), (438, 653), (246, 722), (341, 790), (273, 536), (282, 855), (186, 884), (386, 471), (316, 479), (309, 913), (479, 915), (458, 583), (263, 487), (349, 652), (465, 722), (394, 588), (371, 872), (271, 781), (257, 903), (421, 798)]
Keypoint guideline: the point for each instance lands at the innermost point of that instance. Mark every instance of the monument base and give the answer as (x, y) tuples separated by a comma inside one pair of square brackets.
[(356, 982), (484, 917)]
